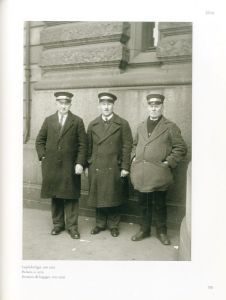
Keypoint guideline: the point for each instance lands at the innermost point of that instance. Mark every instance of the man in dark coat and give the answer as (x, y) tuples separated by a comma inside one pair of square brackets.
[(62, 147), (109, 152), (159, 147)]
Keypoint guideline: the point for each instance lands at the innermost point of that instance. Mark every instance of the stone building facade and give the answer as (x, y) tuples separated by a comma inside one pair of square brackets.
[(120, 57)]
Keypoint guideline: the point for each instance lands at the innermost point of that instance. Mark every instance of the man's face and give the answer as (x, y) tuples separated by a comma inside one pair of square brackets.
[(63, 106), (106, 108), (155, 108)]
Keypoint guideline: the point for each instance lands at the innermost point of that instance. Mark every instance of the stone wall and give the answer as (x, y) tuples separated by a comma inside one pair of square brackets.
[(89, 57)]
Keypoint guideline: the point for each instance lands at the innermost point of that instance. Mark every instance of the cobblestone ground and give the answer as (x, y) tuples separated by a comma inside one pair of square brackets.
[(38, 244)]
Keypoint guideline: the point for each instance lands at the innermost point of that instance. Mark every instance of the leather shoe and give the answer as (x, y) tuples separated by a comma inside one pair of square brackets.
[(97, 230), (163, 238), (114, 232), (56, 230), (140, 235), (74, 234)]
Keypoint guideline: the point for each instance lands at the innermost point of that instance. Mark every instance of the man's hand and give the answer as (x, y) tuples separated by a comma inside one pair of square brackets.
[(124, 173), (41, 160), (78, 169)]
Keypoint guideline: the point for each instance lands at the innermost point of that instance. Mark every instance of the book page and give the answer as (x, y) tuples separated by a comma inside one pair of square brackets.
[(201, 277)]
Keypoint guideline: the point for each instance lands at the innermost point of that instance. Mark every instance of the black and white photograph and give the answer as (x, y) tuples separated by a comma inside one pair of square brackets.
[(112, 126), (107, 140)]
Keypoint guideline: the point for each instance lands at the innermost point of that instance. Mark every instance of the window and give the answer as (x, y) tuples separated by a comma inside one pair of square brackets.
[(149, 36), (143, 42)]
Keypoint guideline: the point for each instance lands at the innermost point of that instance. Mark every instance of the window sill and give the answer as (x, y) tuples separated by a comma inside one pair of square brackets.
[(146, 57)]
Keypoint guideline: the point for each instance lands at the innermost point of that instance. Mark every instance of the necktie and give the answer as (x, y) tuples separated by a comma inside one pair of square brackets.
[(61, 120), (106, 121), (61, 123)]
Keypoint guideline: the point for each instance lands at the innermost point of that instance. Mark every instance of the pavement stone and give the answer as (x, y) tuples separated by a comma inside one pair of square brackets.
[(38, 244)]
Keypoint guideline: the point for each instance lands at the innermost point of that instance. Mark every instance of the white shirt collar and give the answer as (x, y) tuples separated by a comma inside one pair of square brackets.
[(107, 118), (64, 116)]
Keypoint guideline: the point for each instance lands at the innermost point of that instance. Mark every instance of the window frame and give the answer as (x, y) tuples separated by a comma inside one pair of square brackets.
[(140, 52)]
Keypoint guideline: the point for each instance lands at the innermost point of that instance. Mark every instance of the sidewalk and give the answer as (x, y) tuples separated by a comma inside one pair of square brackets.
[(38, 244)]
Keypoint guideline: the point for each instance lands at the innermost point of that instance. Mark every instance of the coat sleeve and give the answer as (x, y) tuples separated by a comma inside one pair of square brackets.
[(127, 142), (179, 148), (90, 143), (41, 139), (135, 142), (82, 144)]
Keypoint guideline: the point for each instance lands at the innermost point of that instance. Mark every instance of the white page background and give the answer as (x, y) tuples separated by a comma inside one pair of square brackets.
[(203, 277)]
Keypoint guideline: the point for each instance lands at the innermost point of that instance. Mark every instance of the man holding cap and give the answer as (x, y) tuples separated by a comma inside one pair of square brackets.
[(62, 146), (109, 151), (159, 147)]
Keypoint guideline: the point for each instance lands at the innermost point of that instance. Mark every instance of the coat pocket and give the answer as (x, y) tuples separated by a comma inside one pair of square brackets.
[(150, 176)]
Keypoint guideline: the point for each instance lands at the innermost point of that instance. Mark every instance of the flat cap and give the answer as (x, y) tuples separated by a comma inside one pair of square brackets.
[(160, 97), (107, 97), (63, 96)]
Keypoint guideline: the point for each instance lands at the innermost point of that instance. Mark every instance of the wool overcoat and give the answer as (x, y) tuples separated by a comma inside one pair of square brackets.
[(148, 172), (109, 151), (62, 150)]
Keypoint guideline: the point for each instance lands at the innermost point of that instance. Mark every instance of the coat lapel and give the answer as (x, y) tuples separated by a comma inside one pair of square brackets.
[(144, 130), (55, 123), (159, 129), (104, 134), (68, 123), (98, 127), (114, 127)]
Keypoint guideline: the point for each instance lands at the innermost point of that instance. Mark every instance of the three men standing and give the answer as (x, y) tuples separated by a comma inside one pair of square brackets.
[(62, 147), (159, 147), (109, 153)]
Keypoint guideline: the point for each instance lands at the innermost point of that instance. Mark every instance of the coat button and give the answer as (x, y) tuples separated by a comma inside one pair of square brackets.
[(59, 148), (97, 169)]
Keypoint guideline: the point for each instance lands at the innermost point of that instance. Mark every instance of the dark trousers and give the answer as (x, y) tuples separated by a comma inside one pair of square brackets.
[(108, 216), (153, 203), (65, 212)]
